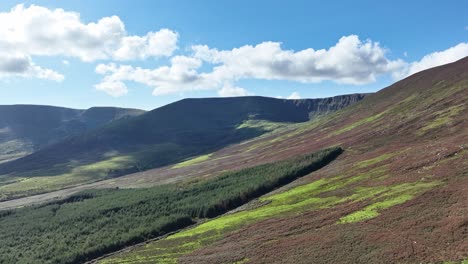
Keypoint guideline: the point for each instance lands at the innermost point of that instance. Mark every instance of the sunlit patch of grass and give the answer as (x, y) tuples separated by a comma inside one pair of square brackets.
[(356, 124), (24, 186), (51, 178), (242, 261), (457, 262), (13, 149), (29, 186), (193, 161), (263, 124), (443, 117), (387, 197), (375, 160)]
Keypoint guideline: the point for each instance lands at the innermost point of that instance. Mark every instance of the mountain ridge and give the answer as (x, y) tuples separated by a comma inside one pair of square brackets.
[(165, 135)]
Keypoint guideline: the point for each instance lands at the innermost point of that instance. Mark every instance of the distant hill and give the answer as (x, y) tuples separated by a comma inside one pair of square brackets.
[(159, 137), (27, 128)]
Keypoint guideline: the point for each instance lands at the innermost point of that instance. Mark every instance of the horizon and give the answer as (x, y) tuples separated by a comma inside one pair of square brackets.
[(186, 98), (151, 54)]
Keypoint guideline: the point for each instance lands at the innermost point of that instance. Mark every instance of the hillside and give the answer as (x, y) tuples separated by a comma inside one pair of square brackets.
[(398, 193), (163, 136), (28, 128)]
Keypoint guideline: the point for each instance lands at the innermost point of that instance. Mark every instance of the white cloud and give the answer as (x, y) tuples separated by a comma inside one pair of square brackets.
[(154, 44), (180, 76), (434, 59), (39, 31), (350, 61), (294, 95), (65, 62), (22, 66), (114, 88), (229, 90)]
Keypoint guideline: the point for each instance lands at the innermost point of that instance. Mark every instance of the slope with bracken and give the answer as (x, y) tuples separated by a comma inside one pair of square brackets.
[(156, 138), (398, 194)]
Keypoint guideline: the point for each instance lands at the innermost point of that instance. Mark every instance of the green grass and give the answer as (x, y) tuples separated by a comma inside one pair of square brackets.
[(263, 125), (386, 198), (23, 186), (356, 124), (457, 262), (375, 160), (80, 172), (443, 117), (13, 149), (242, 261), (193, 161)]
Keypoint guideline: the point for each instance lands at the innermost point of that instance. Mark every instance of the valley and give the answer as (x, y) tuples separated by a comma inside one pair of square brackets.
[(157, 138)]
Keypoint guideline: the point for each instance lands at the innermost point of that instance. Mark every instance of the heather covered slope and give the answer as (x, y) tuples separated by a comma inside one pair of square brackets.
[(398, 194), (28, 128), (163, 136)]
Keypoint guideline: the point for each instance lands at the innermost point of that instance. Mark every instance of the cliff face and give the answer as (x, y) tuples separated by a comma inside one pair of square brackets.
[(321, 106)]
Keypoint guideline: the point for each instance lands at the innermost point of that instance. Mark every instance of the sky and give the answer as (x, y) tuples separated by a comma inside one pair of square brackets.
[(145, 54)]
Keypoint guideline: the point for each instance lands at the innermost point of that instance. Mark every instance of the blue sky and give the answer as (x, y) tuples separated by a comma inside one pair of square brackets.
[(305, 49)]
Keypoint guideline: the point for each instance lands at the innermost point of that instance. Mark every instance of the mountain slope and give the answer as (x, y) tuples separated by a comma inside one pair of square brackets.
[(159, 137), (28, 128), (398, 194)]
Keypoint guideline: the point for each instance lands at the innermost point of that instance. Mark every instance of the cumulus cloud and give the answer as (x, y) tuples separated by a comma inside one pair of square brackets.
[(154, 44), (114, 88), (179, 76), (350, 61), (39, 31), (230, 90), (22, 66), (294, 95), (433, 59)]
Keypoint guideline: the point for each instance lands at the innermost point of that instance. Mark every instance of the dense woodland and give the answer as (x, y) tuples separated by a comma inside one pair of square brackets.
[(92, 223)]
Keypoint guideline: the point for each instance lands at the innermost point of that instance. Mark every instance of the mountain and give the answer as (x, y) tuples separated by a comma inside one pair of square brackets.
[(28, 128), (159, 137), (396, 195)]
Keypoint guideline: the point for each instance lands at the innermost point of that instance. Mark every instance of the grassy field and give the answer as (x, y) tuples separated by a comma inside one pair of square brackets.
[(73, 173)]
